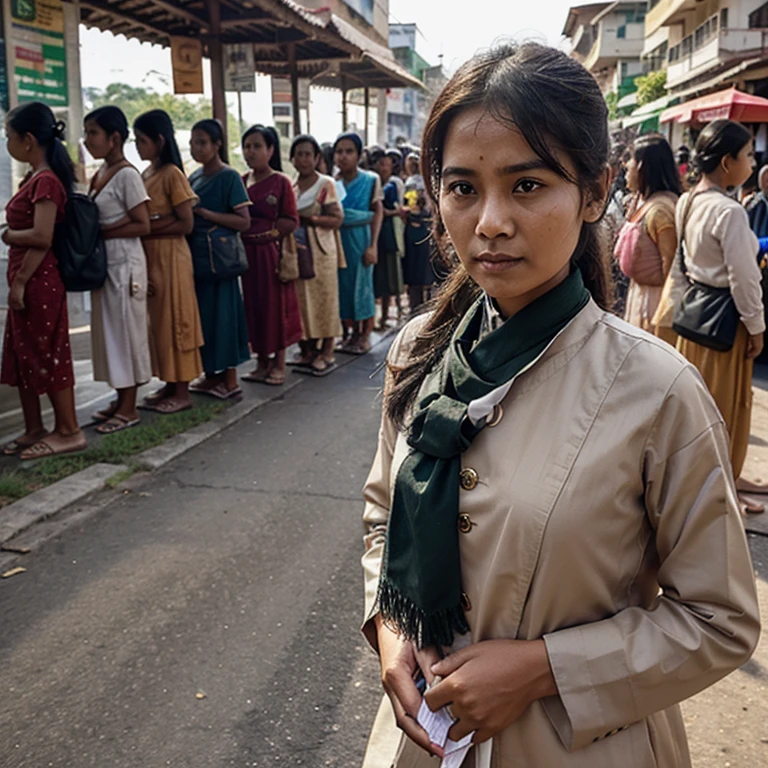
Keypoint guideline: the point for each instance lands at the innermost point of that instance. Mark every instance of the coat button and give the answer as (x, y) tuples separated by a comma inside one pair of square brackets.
[(468, 478), (465, 523), (466, 603)]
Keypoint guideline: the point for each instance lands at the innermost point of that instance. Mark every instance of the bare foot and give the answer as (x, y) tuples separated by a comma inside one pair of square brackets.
[(751, 506)]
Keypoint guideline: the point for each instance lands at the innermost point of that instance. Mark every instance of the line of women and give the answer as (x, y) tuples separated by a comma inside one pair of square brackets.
[(193, 285), (670, 239)]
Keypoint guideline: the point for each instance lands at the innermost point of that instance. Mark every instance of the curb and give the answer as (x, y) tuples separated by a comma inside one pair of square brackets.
[(49, 501)]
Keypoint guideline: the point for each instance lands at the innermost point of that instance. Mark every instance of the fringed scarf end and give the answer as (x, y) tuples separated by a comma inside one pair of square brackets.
[(437, 628)]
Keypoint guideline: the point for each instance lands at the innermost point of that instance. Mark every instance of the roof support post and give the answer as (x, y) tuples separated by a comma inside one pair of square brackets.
[(294, 73), (367, 104), (344, 122), (217, 66)]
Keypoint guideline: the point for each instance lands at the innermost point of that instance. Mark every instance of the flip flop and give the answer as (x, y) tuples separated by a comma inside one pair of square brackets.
[(751, 506), (328, 367), (155, 397), (275, 380), (43, 448), (116, 423), (171, 405)]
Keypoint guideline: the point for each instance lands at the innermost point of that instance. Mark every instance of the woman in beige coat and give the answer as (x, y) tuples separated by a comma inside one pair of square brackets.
[(551, 484)]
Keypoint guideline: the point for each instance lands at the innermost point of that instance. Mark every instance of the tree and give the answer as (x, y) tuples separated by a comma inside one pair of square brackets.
[(651, 87), (611, 100)]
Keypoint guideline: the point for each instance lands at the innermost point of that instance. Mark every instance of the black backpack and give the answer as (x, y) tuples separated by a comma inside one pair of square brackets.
[(77, 241), (79, 247)]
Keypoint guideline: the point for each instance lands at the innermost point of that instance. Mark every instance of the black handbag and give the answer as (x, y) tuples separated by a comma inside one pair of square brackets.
[(706, 315), (225, 258)]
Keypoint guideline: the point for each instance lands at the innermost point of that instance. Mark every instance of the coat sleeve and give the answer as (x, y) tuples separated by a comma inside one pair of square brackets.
[(377, 491), (704, 622)]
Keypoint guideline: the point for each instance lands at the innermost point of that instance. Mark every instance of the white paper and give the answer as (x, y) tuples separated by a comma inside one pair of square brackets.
[(437, 724)]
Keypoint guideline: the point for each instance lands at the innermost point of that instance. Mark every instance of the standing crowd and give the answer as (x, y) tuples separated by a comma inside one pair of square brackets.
[(690, 264), (206, 272)]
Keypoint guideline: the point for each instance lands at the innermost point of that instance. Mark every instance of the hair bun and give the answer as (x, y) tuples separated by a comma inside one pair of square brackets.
[(58, 129)]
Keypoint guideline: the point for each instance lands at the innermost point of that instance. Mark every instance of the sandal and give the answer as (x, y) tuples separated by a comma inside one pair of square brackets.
[(48, 447), (105, 414), (116, 423), (153, 398), (19, 444), (257, 376), (172, 405), (220, 391), (751, 506), (275, 379), (319, 368)]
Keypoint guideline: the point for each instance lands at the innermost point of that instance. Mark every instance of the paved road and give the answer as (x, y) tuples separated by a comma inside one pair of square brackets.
[(233, 574)]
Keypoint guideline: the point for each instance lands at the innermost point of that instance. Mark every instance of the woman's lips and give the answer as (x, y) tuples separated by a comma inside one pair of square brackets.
[(497, 262)]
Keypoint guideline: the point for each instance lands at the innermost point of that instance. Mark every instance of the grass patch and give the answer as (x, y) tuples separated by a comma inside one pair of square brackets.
[(110, 449)]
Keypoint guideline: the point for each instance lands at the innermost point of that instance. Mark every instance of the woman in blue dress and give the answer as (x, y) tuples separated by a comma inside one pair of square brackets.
[(223, 204), (363, 214)]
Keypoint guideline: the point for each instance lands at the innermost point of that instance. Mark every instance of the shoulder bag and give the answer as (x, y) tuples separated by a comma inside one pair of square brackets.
[(225, 259), (706, 315), (288, 268)]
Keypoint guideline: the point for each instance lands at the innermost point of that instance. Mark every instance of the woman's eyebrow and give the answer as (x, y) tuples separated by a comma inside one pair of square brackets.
[(535, 164)]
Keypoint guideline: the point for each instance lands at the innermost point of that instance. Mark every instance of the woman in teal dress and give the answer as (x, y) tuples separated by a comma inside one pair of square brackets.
[(363, 214), (223, 203)]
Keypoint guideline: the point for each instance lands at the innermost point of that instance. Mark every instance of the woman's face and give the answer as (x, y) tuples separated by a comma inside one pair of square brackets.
[(304, 158), (513, 222), (740, 168), (632, 170), (256, 153), (346, 156), (17, 147), (384, 167), (412, 166), (147, 149), (202, 147), (96, 140)]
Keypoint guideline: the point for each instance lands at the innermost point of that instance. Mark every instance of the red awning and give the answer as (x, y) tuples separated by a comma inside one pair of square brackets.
[(729, 104)]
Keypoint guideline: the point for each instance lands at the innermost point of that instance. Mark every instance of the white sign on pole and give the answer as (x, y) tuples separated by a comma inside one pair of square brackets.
[(239, 68)]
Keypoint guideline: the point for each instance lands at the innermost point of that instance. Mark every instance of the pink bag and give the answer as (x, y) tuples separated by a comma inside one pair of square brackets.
[(639, 258)]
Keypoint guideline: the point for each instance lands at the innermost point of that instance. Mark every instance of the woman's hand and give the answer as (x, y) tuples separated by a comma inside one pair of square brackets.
[(16, 295), (370, 256), (489, 685), (150, 289), (400, 663), (4, 236), (203, 213), (754, 346)]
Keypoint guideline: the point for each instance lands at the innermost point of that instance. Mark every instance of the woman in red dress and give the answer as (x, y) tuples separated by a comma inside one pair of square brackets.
[(271, 306), (36, 354)]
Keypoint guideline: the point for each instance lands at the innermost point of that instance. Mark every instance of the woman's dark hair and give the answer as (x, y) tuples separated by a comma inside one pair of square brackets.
[(354, 138), (555, 103), (305, 138), (658, 170), (215, 132), (327, 149), (271, 139), (718, 140), (37, 119), (157, 124), (111, 120)]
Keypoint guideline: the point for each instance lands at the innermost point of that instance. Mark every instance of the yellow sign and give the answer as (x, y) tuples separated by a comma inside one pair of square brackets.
[(187, 62)]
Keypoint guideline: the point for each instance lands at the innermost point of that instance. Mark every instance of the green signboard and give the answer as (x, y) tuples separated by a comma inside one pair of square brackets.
[(38, 54)]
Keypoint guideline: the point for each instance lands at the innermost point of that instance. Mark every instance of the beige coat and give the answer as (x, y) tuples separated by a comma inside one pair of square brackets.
[(605, 521)]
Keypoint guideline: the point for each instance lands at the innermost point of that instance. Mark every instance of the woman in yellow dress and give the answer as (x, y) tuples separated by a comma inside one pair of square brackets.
[(175, 335)]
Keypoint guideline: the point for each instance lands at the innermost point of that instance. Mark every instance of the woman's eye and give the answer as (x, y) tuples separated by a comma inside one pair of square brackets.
[(461, 189), (526, 186)]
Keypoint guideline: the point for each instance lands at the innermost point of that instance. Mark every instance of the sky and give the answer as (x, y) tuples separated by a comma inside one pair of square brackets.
[(447, 27)]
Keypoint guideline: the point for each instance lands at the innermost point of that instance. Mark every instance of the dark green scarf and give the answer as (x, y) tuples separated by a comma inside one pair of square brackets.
[(420, 586)]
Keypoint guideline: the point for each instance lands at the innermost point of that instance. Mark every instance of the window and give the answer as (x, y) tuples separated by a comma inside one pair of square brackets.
[(759, 18), (621, 32), (724, 18)]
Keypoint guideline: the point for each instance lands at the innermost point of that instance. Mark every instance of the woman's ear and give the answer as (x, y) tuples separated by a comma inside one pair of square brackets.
[(598, 194)]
